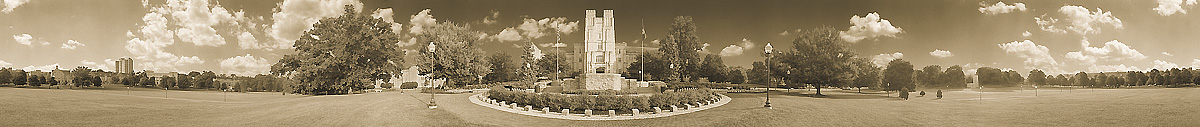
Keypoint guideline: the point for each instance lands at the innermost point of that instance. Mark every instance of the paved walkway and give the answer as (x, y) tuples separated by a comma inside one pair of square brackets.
[(596, 115)]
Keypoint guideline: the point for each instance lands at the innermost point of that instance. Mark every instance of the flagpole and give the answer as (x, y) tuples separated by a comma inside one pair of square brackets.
[(642, 46)]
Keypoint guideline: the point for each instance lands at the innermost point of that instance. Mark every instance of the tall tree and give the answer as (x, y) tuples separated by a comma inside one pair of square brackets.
[(989, 76), (1154, 77), (1014, 78), (713, 68), (736, 76), (684, 53), (148, 81), (656, 67), (20, 77), (562, 65), (1184, 76), (1082, 79), (205, 80), (34, 80), (347, 52), (1037, 77), (866, 74), (81, 75), (954, 77), (167, 82), (757, 74), (898, 75), (456, 56), (5, 76), (930, 76), (503, 68), (528, 72), (52, 81), (819, 57), (96, 81)]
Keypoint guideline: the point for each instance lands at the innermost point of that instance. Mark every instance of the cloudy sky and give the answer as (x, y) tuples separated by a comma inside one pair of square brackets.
[(245, 36)]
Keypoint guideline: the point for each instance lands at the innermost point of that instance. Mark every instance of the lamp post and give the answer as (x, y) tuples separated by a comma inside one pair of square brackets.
[(768, 49), (432, 104)]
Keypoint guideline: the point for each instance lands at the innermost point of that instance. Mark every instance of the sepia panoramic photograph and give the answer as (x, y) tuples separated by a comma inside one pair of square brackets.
[(600, 63)]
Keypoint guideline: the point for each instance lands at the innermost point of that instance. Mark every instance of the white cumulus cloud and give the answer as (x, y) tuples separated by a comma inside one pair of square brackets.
[(1111, 51), (1170, 7), (1083, 21), (9, 5), (43, 68), (1000, 8), (534, 29), (1168, 54), (869, 26), (491, 19), (71, 44), (420, 20), (882, 60), (1026, 34), (941, 53), (386, 15), (1047, 24), (508, 35), (293, 17), (5, 64), (1195, 63), (1036, 56), (1164, 65), (247, 65), (1112, 68), (147, 48), (246, 40), (24, 39), (411, 41), (196, 19), (737, 49), (103, 65)]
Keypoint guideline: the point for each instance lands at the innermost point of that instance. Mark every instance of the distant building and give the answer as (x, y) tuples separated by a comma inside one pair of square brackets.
[(413, 74), (124, 65)]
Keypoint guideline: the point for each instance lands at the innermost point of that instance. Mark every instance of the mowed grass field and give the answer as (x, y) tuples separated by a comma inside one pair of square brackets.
[(149, 107)]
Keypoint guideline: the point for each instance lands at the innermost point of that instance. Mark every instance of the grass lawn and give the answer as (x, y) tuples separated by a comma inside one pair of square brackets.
[(149, 107)]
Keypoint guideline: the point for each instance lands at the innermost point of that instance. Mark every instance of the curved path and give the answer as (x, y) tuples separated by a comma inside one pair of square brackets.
[(597, 115)]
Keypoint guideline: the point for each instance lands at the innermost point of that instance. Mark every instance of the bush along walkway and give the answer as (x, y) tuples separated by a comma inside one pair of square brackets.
[(524, 109)]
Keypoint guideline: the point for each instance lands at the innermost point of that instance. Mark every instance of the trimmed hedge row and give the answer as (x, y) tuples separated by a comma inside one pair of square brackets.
[(599, 92), (676, 85), (604, 102)]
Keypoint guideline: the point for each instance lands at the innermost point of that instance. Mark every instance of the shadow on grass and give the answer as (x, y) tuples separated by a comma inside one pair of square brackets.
[(837, 96), (418, 99), (440, 117)]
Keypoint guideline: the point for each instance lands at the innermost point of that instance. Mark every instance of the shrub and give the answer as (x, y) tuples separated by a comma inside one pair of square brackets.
[(679, 85), (600, 92), (602, 102), (939, 93), (386, 85), (408, 85)]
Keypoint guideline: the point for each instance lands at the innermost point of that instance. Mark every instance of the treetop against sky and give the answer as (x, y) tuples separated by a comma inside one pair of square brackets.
[(246, 37)]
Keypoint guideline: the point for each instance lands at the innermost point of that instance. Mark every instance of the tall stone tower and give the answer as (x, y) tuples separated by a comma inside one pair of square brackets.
[(600, 44), (601, 55)]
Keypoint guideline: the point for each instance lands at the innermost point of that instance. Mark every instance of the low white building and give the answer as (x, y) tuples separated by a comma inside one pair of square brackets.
[(413, 74)]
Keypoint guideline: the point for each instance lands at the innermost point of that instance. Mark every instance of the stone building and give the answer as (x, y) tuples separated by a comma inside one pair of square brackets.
[(603, 59)]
